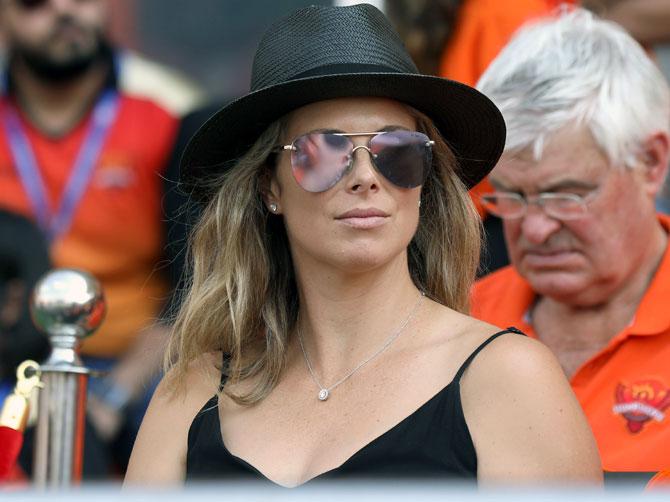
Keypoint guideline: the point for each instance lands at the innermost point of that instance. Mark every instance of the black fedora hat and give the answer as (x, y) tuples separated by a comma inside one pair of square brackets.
[(320, 53)]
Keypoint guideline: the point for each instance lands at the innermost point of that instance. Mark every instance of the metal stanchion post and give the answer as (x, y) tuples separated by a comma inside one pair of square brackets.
[(68, 306)]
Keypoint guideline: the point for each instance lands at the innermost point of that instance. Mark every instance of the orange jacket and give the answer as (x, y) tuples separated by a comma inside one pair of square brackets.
[(625, 388)]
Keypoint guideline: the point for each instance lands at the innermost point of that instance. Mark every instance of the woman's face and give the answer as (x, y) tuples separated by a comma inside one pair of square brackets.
[(363, 221)]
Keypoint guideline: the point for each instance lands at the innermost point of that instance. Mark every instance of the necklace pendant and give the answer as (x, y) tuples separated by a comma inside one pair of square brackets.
[(323, 394)]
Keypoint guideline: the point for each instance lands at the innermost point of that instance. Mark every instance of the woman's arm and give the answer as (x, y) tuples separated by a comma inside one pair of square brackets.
[(525, 421), (159, 453)]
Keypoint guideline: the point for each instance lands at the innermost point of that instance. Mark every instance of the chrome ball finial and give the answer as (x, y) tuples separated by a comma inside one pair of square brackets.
[(68, 305)]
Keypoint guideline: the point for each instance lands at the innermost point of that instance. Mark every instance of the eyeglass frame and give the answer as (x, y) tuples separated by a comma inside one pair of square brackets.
[(537, 199), (291, 147)]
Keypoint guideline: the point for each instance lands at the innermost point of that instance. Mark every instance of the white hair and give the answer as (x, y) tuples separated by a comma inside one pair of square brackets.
[(577, 70)]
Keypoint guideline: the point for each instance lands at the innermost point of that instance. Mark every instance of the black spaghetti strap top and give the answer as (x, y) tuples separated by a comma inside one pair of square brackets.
[(433, 441)]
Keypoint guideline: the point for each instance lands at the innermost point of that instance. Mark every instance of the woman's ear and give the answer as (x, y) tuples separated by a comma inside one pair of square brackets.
[(270, 190)]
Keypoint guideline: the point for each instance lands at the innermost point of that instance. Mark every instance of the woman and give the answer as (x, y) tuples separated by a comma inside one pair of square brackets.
[(324, 333)]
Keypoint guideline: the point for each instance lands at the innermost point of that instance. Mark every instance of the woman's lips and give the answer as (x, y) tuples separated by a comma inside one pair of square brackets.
[(363, 218)]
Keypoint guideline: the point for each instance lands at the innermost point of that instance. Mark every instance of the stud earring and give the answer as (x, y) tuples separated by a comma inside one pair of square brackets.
[(419, 203), (273, 207)]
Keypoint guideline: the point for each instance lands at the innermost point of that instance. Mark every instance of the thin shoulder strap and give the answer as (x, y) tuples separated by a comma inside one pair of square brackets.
[(467, 362), (225, 362)]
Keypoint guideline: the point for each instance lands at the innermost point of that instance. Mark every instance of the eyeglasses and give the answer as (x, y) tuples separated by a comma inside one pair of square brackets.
[(320, 159), (562, 206)]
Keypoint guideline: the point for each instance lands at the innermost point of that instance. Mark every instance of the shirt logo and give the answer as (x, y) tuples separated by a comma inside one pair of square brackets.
[(114, 177), (640, 402)]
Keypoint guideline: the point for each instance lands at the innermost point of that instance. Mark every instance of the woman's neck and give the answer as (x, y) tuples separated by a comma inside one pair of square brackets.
[(345, 318)]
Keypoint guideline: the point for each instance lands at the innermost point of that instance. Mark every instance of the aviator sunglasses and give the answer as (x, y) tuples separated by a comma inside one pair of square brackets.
[(320, 159)]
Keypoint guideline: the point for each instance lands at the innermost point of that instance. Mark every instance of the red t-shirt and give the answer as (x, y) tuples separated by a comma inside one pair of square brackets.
[(625, 388)]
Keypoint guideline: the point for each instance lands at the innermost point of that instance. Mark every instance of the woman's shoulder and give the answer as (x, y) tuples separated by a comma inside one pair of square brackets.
[(516, 401), (462, 335), (185, 392), (160, 448), (504, 351)]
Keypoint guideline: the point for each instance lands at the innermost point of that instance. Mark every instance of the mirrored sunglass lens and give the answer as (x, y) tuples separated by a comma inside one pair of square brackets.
[(403, 157), (319, 160)]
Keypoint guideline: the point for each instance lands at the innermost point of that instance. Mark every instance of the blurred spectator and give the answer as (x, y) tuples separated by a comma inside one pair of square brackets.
[(425, 26), (588, 117), (23, 260), (483, 27), (86, 132)]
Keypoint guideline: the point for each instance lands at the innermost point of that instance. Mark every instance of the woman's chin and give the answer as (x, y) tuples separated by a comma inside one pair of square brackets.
[(360, 261)]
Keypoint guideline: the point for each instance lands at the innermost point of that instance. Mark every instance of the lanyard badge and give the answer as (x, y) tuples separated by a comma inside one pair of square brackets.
[(55, 224)]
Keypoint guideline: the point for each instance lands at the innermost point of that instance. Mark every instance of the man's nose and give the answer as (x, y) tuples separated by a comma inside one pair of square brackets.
[(536, 226)]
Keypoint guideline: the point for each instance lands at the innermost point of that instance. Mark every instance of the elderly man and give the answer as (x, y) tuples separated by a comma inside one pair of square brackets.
[(587, 151)]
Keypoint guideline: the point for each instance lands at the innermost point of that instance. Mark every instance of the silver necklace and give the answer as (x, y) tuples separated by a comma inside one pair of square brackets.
[(324, 392)]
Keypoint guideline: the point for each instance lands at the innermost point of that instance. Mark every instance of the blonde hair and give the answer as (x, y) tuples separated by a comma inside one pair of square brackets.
[(242, 297)]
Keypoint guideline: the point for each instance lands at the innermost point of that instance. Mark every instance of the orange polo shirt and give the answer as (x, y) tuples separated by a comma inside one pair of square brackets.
[(625, 388)]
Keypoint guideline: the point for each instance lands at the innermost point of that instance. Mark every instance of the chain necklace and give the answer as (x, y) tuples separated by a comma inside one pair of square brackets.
[(324, 392)]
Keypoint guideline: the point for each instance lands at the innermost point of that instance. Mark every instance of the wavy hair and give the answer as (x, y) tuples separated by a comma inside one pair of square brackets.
[(576, 69), (242, 297)]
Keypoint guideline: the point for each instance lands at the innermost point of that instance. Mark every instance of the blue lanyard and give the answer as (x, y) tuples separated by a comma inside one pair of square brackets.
[(56, 224)]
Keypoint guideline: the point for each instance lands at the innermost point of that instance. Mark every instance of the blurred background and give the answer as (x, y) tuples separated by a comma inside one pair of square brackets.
[(213, 40)]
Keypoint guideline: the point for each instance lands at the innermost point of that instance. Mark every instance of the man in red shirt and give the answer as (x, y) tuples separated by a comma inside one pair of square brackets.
[(85, 133), (587, 151)]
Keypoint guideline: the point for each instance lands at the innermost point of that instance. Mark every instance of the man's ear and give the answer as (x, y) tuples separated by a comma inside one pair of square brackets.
[(654, 158)]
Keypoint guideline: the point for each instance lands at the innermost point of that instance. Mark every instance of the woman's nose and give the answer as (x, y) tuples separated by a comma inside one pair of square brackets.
[(362, 175)]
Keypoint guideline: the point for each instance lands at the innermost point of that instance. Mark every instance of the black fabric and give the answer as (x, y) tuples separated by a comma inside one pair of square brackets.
[(24, 258), (434, 441), (494, 255)]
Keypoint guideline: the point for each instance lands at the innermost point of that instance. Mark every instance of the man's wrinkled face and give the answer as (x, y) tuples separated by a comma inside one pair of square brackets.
[(53, 36), (580, 261)]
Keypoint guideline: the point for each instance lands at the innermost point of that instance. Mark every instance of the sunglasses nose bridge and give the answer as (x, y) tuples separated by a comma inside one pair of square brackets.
[(364, 147), (372, 167)]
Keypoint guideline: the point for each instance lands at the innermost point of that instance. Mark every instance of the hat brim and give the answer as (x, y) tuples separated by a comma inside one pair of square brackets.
[(468, 121)]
